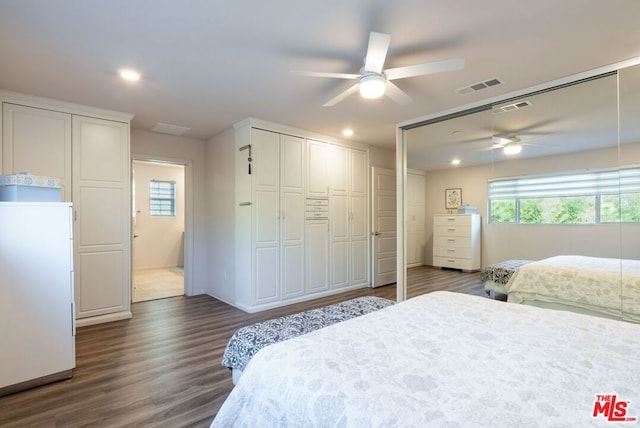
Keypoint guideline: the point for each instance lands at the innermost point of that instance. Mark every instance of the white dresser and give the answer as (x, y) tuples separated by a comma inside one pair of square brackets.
[(456, 241), (37, 331)]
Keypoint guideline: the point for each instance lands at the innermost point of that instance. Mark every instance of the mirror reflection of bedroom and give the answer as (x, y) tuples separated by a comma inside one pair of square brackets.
[(556, 188)]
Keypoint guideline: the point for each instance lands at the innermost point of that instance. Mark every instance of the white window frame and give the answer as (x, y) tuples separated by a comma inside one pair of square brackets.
[(162, 198)]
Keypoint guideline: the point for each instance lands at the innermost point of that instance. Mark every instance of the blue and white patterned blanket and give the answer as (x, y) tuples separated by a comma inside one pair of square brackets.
[(250, 339)]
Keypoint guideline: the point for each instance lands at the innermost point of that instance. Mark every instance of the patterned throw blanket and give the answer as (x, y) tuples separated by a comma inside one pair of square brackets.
[(502, 272), (248, 340)]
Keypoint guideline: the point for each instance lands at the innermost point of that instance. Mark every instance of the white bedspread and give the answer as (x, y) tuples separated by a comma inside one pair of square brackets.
[(603, 285), (442, 359)]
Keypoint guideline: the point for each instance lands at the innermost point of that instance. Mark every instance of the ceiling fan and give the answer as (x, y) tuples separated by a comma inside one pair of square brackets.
[(510, 145), (373, 81)]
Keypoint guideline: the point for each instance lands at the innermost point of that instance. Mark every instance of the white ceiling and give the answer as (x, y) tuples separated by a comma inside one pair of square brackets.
[(208, 64)]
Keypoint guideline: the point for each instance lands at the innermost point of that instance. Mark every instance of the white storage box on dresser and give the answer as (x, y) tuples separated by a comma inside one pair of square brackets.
[(456, 241)]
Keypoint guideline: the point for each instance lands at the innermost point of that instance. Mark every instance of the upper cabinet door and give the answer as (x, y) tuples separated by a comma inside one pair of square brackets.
[(265, 159), (358, 172), (292, 170), (37, 141), (339, 170), (317, 169)]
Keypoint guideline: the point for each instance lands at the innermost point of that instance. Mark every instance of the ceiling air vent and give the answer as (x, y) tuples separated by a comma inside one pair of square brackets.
[(478, 86), (511, 107), (165, 128)]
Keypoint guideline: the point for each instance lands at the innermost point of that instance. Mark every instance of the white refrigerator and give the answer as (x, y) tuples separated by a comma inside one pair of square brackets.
[(37, 326)]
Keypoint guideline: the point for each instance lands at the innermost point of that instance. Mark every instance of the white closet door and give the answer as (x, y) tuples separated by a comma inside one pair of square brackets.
[(339, 241), (317, 255), (266, 215), (292, 208), (338, 164), (359, 176), (102, 207), (359, 254), (37, 141), (384, 226), (416, 238), (317, 169)]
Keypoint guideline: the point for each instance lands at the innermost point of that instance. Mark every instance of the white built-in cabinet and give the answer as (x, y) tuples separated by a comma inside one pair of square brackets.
[(301, 217), (416, 234), (88, 150)]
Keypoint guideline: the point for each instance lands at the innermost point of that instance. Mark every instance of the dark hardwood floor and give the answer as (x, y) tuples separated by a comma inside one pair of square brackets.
[(162, 367)]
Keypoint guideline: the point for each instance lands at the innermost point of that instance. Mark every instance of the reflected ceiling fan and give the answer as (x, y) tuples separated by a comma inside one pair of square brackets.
[(510, 145), (374, 82)]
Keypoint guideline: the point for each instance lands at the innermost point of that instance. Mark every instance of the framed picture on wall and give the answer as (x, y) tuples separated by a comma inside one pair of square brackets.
[(452, 198)]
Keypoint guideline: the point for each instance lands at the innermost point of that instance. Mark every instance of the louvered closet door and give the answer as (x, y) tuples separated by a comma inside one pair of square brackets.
[(102, 207)]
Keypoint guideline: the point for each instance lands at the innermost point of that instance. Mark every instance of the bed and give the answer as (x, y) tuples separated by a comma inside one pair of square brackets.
[(442, 359), (496, 276), (593, 285), (248, 340)]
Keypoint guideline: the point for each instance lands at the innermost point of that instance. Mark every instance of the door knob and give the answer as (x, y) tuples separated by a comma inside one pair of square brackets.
[(376, 233)]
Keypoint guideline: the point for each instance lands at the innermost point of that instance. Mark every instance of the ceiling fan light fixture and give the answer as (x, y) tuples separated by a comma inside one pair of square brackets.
[(372, 86), (512, 149)]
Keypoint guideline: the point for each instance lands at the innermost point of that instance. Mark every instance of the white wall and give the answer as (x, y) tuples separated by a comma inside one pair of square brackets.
[(149, 146), (220, 156), (160, 240), (383, 158), (517, 241)]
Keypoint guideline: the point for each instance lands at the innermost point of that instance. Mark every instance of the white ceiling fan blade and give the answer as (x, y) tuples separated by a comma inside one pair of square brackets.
[(376, 52), (322, 74), (396, 94), (335, 100), (425, 68)]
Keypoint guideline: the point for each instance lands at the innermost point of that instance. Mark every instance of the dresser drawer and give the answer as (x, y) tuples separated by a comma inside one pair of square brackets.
[(452, 241), (317, 202), (317, 208), (456, 220), (452, 262), (452, 230), (458, 252)]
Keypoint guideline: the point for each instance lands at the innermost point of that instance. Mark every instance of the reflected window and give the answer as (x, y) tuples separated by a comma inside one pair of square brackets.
[(605, 196)]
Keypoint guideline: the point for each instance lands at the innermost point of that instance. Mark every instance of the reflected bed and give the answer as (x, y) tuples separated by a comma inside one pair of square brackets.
[(441, 359), (593, 285)]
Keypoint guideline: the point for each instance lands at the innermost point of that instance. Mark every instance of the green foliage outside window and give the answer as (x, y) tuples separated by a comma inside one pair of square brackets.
[(503, 211)]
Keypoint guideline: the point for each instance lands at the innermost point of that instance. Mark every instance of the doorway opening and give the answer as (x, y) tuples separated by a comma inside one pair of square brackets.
[(158, 223)]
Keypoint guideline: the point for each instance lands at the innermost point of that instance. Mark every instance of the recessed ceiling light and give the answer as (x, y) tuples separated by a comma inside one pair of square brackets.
[(347, 132), (455, 161), (130, 75)]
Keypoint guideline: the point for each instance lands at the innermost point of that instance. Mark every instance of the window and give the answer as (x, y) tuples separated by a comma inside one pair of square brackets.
[(603, 196), (162, 198)]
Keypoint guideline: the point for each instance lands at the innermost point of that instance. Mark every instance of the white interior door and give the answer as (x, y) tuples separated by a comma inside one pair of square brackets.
[(384, 226)]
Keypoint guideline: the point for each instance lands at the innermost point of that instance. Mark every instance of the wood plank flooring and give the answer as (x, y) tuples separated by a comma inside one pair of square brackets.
[(162, 367)]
